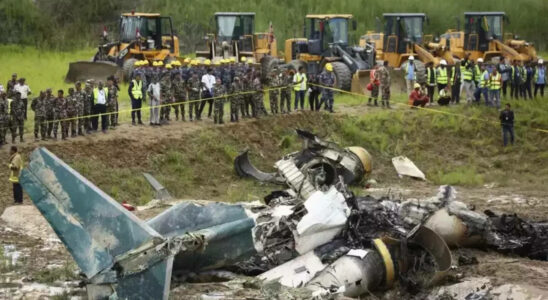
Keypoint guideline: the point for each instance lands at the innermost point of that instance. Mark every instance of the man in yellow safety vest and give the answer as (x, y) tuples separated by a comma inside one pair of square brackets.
[(15, 165), (495, 83), (135, 92)]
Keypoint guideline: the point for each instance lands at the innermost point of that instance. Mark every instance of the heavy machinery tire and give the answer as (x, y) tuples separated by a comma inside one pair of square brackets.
[(421, 71), (267, 64), (343, 76), (128, 67), (296, 64)]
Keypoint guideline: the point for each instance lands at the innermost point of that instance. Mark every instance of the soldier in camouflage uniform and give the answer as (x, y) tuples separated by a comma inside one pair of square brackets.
[(258, 96), (50, 113), (248, 96), (194, 86), (4, 117), (72, 113), (327, 79), (236, 100), (88, 104), (179, 92), (17, 117), (274, 85), (10, 86), (112, 105), (60, 113), (286, 79), (38, 105), (219, 92), (384, 77), (167, 97), (80, 97)]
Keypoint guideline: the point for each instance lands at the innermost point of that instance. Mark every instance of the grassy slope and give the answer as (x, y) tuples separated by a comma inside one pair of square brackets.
[(449, 149)]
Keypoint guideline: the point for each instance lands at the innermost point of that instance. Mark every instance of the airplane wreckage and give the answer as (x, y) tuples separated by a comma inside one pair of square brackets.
[(314, 235)]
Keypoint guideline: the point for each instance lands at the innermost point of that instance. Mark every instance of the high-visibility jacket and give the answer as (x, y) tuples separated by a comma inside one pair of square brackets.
[(137, 90), (15, 165), (96, 94), (299, 86), (494, 82), (477, 73), (9, 106), (542, 71), (430, 76), (454, 74), (484, 79), (442, 75), (467, 74)]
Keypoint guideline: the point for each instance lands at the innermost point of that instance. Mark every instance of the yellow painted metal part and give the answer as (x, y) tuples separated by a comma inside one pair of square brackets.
[(333, 16), (364, 157), (388, 262)]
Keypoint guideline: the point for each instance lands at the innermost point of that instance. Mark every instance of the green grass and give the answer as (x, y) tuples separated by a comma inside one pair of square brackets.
[(460, 146)]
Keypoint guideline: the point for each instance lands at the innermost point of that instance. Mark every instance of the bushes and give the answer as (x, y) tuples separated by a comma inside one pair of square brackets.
[(66, 24)]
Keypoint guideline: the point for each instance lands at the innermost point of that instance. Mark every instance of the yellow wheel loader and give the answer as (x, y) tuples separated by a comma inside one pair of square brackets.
[(483, 37), (327, 42), (147, 36), (235, 37)]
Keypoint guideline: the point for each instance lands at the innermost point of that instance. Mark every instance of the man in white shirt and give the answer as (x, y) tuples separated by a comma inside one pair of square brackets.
[(208, 81), (155, 95), (100, 97), (24, 90)]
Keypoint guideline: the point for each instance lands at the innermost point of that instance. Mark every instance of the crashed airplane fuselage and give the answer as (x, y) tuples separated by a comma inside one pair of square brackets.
[(320, 237)]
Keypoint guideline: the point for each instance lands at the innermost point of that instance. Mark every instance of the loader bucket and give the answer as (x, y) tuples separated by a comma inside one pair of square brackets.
[(360, 79), (397, 83), (84, 70)]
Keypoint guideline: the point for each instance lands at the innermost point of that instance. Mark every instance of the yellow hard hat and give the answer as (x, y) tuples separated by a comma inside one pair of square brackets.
[(168, 66), (217, 63), (187, 60), (417, 86), (145, 62), (243, 59), (329, 67), (138, 63), (154, 64), (233, 59), (194, 62), (207, 62)]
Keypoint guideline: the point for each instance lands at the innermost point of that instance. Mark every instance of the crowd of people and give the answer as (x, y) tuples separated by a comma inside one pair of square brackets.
[(170, 86), (192, 84), (474, 80)]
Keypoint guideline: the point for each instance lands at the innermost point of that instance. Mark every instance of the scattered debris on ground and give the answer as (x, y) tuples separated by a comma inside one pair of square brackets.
[(314, 238)]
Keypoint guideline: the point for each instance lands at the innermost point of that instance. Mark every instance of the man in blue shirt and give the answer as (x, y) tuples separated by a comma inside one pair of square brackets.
[(540, 78), (410, 75)]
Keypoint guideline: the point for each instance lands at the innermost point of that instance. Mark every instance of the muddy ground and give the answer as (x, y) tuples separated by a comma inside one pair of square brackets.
[(35, 265)]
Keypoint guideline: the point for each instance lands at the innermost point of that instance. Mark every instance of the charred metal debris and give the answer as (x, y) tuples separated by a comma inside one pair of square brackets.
[(314, 234)]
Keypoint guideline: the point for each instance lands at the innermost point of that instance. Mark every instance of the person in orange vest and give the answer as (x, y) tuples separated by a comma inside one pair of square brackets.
[(375, 83), (15, 165), (417, 97)]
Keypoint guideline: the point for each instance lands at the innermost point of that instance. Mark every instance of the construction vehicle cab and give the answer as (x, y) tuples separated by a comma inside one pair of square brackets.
[(235, 37), (327, 41), (141, 36), (402, 32), (484, 37)]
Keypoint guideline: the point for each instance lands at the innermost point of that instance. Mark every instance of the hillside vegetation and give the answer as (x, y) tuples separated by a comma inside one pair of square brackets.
[(69, 24)]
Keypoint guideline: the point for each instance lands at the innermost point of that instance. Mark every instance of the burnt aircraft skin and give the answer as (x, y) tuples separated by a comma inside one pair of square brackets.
[(320, 160), (127, 258)]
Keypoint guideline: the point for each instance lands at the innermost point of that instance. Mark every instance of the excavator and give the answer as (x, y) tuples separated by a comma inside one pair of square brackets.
[(484, 37), (147, 36), (403, 37), (327, 42), (235, 37)]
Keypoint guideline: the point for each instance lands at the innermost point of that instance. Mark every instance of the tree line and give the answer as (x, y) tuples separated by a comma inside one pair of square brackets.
[(74, 24)]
